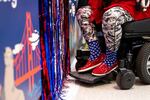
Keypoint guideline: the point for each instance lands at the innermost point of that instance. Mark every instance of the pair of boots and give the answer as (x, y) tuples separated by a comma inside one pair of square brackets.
[(100, 64)]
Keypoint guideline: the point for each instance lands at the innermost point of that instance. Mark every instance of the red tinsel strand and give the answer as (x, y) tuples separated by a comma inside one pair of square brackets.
[(44, 72), (66, 38)]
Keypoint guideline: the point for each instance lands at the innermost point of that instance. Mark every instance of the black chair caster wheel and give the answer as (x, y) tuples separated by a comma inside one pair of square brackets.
[(125, 79)]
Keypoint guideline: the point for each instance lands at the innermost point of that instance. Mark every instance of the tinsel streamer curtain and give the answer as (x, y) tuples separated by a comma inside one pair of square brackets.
[(54, 43)]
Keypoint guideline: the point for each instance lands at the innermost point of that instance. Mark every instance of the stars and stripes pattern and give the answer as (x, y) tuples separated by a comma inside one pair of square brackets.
[(94, 50), (88, 31), (111, 57)]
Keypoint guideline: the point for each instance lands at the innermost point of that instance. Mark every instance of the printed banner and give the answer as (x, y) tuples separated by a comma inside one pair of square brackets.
[(20, 70)]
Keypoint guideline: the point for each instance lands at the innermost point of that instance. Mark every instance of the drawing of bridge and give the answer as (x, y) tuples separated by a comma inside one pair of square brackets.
[(27, 62)]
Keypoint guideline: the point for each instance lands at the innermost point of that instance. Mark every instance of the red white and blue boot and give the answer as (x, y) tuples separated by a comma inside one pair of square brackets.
[(108, 65), (95, 59)]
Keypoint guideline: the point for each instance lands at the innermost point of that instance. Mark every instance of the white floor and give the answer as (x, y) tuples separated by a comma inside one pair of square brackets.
[(79, 91)]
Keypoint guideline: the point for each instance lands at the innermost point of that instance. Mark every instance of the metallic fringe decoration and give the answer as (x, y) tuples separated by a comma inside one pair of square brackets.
[(54, 43)]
